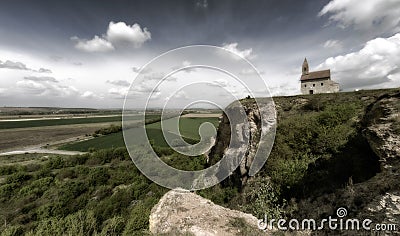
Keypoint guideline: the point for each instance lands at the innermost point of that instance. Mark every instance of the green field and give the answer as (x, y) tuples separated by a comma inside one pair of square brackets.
[(55, 122), (188, 127)]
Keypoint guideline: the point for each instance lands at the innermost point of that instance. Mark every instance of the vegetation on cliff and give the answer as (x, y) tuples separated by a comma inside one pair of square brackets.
[(319, 148)]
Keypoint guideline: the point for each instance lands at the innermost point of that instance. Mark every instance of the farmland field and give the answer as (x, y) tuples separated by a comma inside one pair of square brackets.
[(188, 127), (57, 122), (21, 138)]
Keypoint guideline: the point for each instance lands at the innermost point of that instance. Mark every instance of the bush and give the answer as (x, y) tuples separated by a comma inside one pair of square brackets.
[(98, 176), (138, 220), (113, 226), (12, 230), (18, 178), (8, 169), (262, 198), (108, 130), (37, 187), (79, 223), (55, 162)]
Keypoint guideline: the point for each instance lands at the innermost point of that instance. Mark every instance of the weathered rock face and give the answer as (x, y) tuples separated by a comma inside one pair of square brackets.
[(259, 113), (382, 131), (181, 212)]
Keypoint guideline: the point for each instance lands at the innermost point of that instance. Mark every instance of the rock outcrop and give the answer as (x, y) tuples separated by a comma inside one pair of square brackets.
[(258, 129), (378, 198), (180, 212)]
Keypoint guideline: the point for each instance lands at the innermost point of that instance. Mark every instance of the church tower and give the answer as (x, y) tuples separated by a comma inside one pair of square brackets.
[(305, 69)]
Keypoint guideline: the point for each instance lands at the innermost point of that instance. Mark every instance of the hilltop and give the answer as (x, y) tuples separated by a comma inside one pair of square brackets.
[(331, 150)]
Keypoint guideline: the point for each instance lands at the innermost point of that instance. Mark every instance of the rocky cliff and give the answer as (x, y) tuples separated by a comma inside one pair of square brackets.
[(375, 194), (353, 162)]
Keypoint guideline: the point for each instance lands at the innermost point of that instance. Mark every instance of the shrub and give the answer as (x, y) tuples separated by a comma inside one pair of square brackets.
[(138, 220), (12, 230), (113, 226), (98, 176), (18, 178), (55, 162), (37, 187), (262, 198)]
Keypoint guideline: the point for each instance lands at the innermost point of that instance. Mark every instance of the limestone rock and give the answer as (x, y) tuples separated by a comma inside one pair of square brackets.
[(180, 212)]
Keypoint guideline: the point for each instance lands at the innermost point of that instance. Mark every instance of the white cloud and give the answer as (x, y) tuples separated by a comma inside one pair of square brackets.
[(220, 83), (31, 86), (143, 70), (121, 32), (117, 33), (44, 70), (45, 86), (250, 72), (96, 44), (122, 83), (63, 91), (377, 63), (233, 47), (13, 65), (16, 65), (178, 95), (88, 94), (119, 93), (77, 63), (185, 63), (332, 44), (181, 95), (365, 14)]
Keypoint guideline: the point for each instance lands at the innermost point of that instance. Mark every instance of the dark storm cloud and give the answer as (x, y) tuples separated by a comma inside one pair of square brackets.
[(179, 22)]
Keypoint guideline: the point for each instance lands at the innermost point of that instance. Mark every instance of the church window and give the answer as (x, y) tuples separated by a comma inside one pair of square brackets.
[(322, 84)]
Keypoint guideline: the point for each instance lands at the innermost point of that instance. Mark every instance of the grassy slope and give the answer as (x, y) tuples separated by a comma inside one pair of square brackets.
[(318, 148), (100, 192), (75, 195)]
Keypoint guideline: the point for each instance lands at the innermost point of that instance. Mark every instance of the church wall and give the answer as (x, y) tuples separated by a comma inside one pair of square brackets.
[(319, 86)]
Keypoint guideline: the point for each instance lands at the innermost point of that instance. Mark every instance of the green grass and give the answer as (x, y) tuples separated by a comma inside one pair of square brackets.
[(107, 141), (55, 122), (188, 127)]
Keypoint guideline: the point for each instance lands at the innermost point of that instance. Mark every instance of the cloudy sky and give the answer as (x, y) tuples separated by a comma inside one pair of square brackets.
[(87, 53)]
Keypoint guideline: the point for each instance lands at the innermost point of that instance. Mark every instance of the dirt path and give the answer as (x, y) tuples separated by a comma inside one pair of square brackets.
[(41, 150), (203, 115)]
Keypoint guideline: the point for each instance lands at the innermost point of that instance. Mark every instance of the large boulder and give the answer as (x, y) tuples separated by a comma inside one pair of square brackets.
[(180, 212)]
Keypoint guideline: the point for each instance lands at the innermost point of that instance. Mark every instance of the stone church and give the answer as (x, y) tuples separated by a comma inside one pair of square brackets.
[(317, 81)]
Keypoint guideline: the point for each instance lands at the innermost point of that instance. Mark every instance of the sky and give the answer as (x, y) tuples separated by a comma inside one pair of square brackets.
[(89, 53)]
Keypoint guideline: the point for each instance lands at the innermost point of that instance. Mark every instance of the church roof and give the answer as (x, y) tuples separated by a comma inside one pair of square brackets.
[(322, 74)]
